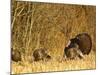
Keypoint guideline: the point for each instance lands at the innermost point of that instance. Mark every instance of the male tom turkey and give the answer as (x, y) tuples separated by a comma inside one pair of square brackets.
[(78, 46), (15, 55), (41, 54)]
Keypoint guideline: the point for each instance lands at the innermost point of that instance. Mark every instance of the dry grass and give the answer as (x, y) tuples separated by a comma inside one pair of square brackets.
[(35, 25), (55, 65)]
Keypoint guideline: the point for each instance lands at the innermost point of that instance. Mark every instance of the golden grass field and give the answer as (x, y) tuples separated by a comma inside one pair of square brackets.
[(50, 25), (55, 65)]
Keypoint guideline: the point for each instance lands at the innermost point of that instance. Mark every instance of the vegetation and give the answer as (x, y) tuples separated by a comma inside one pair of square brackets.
[(35, 25)]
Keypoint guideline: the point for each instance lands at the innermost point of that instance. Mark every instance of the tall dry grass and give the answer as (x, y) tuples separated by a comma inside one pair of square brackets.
[(35, 25)]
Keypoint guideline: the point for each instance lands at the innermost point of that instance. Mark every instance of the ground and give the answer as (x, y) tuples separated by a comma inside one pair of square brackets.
[(55, 65)]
